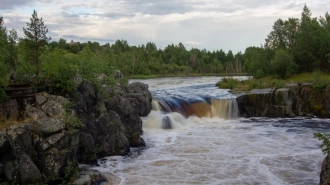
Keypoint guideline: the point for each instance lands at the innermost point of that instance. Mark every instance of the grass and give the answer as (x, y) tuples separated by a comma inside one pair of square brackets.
[(320, 81), (6, 124)]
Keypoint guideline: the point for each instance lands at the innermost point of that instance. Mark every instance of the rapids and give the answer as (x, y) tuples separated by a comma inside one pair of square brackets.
[(194, 136)]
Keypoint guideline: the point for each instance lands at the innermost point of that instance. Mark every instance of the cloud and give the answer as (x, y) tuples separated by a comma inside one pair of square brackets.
[(192, 43), (10, 4), (220, 24)]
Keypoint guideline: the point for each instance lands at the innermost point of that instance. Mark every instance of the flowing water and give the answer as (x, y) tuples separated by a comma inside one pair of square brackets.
[(194, 136)]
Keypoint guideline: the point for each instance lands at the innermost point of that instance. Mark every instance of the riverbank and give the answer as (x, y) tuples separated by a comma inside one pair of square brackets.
[(318, 80), (186, 75)]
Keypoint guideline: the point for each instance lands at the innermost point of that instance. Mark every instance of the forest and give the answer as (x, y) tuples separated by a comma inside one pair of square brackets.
[(295, 45)]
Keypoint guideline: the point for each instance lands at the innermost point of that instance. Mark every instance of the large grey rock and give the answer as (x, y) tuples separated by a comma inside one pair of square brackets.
[(325, 172), (110, 123), (34, 112), (52, 108), (60, 140), (128, 116), (29, 172), (47, 126), (41, 99), (55, 162), (86, 150), (295, 99), (254, 103), (21, 137), (111, 137), (139, 91)]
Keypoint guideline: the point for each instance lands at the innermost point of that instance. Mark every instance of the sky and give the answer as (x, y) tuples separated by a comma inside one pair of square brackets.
[(210, 24)]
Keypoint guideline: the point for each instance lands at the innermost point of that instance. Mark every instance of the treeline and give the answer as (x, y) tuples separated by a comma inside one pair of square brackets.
[(293, 46)]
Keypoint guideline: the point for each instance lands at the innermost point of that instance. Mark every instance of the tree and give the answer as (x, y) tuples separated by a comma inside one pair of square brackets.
[(62, 43), (3, 41), (12, 48), (3, 56), (306, 45), (282, 65), (35, 34), (283, 34)]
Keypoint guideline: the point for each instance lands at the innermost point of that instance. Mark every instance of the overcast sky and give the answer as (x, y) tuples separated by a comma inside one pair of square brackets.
[(210, 24)]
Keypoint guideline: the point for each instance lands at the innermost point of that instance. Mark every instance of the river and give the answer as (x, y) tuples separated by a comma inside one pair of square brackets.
[(195, 136)]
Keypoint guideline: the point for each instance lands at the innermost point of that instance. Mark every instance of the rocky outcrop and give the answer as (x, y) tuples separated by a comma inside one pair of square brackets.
[(54, 133), (40, 149), (325, 172), (139, 97), (111, 123), (293, 100)]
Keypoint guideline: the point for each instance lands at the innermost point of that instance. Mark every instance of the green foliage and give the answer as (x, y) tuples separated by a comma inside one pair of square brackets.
[(72, 121), (282, 65), (277, 84), (228, 83), (36, 39), (325, 146), (58, 71), (259, 74), (319, 84), (69, 171), (257, 61)]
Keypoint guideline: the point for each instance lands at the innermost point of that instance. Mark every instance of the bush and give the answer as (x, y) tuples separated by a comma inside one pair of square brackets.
[(325, 146), (259, 74), (228, 83), (283, 65)]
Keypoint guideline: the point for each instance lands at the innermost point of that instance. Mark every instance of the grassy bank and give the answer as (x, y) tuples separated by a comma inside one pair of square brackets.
[(319, 80), (186, 75)]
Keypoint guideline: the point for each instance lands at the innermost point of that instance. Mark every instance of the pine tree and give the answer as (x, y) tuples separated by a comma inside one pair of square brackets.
[(35, 34)]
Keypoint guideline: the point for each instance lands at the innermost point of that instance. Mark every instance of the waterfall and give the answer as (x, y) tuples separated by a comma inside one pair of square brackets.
[(172, 120), (221, 108), (226, 109)]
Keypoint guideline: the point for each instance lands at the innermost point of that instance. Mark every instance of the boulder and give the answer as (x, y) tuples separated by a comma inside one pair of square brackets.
[(325, 171), (28, 171), (139, 97), (255, 103), (111, 137), (48, 126), (21, 138), (130, 119), (34, 112)]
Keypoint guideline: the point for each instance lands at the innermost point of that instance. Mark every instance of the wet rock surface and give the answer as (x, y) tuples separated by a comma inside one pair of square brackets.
[(293, 100)]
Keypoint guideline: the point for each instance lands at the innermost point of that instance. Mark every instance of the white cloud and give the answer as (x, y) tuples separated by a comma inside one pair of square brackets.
[(210, 24)]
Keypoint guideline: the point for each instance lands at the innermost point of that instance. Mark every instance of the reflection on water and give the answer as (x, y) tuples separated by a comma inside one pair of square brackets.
[(206, 149)]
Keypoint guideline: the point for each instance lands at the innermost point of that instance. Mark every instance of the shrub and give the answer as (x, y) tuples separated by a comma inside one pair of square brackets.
[(283, 65), (325, 146)]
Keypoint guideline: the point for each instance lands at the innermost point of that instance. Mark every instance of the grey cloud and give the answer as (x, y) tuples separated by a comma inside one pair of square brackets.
[(10, 4)]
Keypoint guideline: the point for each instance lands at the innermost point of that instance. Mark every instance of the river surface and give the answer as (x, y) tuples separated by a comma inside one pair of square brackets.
[(191, 141)]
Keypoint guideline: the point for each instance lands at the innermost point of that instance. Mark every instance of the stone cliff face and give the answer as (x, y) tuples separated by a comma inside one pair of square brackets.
[(293, 100), (111, 124), (40, 149), (51, 137), (325, 172)]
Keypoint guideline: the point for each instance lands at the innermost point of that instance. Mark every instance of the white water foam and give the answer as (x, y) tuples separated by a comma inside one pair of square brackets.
[(217, 151), (212, 150)]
